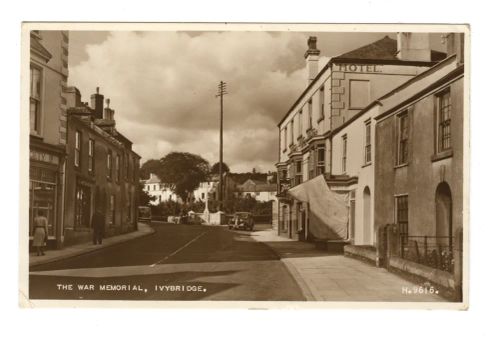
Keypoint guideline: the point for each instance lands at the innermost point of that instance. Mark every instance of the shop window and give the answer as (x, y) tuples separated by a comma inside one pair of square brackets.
[(35, 100), (402, 216), (403, 138), (443, 121), (42, 197), (368, 145)]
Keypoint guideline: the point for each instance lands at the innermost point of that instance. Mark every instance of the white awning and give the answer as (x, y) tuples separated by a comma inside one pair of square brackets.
[(328, 210)]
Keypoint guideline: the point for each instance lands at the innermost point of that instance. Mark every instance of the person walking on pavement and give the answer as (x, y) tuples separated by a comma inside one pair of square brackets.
[(98, 226), (40, 233)]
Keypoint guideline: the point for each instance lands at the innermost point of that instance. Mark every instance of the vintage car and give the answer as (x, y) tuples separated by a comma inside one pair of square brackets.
[(241, 220)]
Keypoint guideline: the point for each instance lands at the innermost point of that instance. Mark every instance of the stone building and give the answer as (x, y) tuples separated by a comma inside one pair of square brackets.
[(48, 70), (419, 173), (314, 142), (102, 170)]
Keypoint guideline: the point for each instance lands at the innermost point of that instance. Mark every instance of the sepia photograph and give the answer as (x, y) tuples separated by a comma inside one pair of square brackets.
[(244, 165)]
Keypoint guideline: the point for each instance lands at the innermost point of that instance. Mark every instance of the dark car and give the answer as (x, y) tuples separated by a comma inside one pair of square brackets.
[(241, 220)]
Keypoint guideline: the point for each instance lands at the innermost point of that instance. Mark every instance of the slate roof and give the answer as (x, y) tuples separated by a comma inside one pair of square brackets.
[(383, 49)]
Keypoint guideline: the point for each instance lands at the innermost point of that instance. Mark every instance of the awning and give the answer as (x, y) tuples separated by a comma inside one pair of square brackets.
[(328, 210)]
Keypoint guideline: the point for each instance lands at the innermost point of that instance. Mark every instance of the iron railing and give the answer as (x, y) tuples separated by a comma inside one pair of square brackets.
[(431, 251)]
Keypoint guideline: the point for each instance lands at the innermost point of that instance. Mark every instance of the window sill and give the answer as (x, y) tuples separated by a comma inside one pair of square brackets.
[(442, 155), (401, 165), (36, 135), (366, 164)]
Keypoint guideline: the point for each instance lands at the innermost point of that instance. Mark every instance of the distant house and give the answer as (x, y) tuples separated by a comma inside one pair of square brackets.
[(207, 189), (159, 190), (262, 191)]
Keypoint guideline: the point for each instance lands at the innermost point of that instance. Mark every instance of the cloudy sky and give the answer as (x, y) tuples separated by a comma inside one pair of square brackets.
[(162, 86)]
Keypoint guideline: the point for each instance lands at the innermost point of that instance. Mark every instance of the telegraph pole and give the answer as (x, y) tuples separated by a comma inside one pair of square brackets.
[(220, 93)]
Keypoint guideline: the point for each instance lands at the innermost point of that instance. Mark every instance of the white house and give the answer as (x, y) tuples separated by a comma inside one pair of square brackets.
[(260, 190), (161, 193)]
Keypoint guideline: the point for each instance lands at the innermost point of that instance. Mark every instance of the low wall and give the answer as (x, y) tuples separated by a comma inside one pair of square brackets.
[(442, 278)]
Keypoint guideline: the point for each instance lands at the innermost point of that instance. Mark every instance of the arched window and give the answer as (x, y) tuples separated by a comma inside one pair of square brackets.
[(444, 230)]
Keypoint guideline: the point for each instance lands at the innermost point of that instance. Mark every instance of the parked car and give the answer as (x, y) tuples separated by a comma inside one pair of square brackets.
[(242, 220)]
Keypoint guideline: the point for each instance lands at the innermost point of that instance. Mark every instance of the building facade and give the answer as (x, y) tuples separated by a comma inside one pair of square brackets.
[(319, 132), (48, 130), (419, 179), (102, 170), (158, 190), (259, 190)]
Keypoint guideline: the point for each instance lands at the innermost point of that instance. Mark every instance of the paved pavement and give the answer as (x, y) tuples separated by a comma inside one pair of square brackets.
[(324, 276), (177, 262), (143, 229)]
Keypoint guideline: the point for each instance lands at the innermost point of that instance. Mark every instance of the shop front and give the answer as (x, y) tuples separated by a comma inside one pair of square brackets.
[(45, 189)]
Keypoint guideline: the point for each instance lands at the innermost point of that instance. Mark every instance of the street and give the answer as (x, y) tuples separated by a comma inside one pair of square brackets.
[(178, 262)]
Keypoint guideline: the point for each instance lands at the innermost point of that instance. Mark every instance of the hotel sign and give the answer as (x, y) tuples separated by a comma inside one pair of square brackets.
[(45, 157), (362, 68)]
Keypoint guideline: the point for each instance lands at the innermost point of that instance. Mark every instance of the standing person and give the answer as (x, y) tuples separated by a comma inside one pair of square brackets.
[(40, 232), (98, 226)]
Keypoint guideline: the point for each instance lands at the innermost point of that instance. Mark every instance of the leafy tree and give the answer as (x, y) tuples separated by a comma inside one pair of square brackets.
[(183, 172), (144, 198), (150, 166), (215, 168)]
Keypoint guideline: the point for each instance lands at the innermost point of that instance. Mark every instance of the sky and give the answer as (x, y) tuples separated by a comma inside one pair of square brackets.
[(162, 86)]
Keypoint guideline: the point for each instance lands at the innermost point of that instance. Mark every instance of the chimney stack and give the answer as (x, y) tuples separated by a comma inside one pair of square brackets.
[(312, 59), (109, 114), (96, 101), (454, 43), (414, 46)]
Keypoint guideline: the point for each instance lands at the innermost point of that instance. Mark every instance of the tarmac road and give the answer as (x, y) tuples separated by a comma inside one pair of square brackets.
[(178, 262)]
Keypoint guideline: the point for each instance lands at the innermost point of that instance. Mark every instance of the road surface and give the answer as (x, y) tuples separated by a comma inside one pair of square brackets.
[(178, 262)]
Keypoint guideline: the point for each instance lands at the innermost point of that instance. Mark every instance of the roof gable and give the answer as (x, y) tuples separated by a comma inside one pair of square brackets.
[(383, 49)]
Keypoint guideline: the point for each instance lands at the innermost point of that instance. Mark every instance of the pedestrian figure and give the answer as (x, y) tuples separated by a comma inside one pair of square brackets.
[(98, 226), (40, 233)]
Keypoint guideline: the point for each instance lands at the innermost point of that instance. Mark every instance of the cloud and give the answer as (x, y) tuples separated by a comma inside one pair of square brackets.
[(162, 86)]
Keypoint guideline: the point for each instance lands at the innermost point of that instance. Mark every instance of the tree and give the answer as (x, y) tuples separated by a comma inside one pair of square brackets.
[(144, 198), (215, 168), (150, 166), (183, 172)]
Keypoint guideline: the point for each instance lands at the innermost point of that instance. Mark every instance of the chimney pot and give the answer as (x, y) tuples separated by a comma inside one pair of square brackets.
[(97, 89)]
